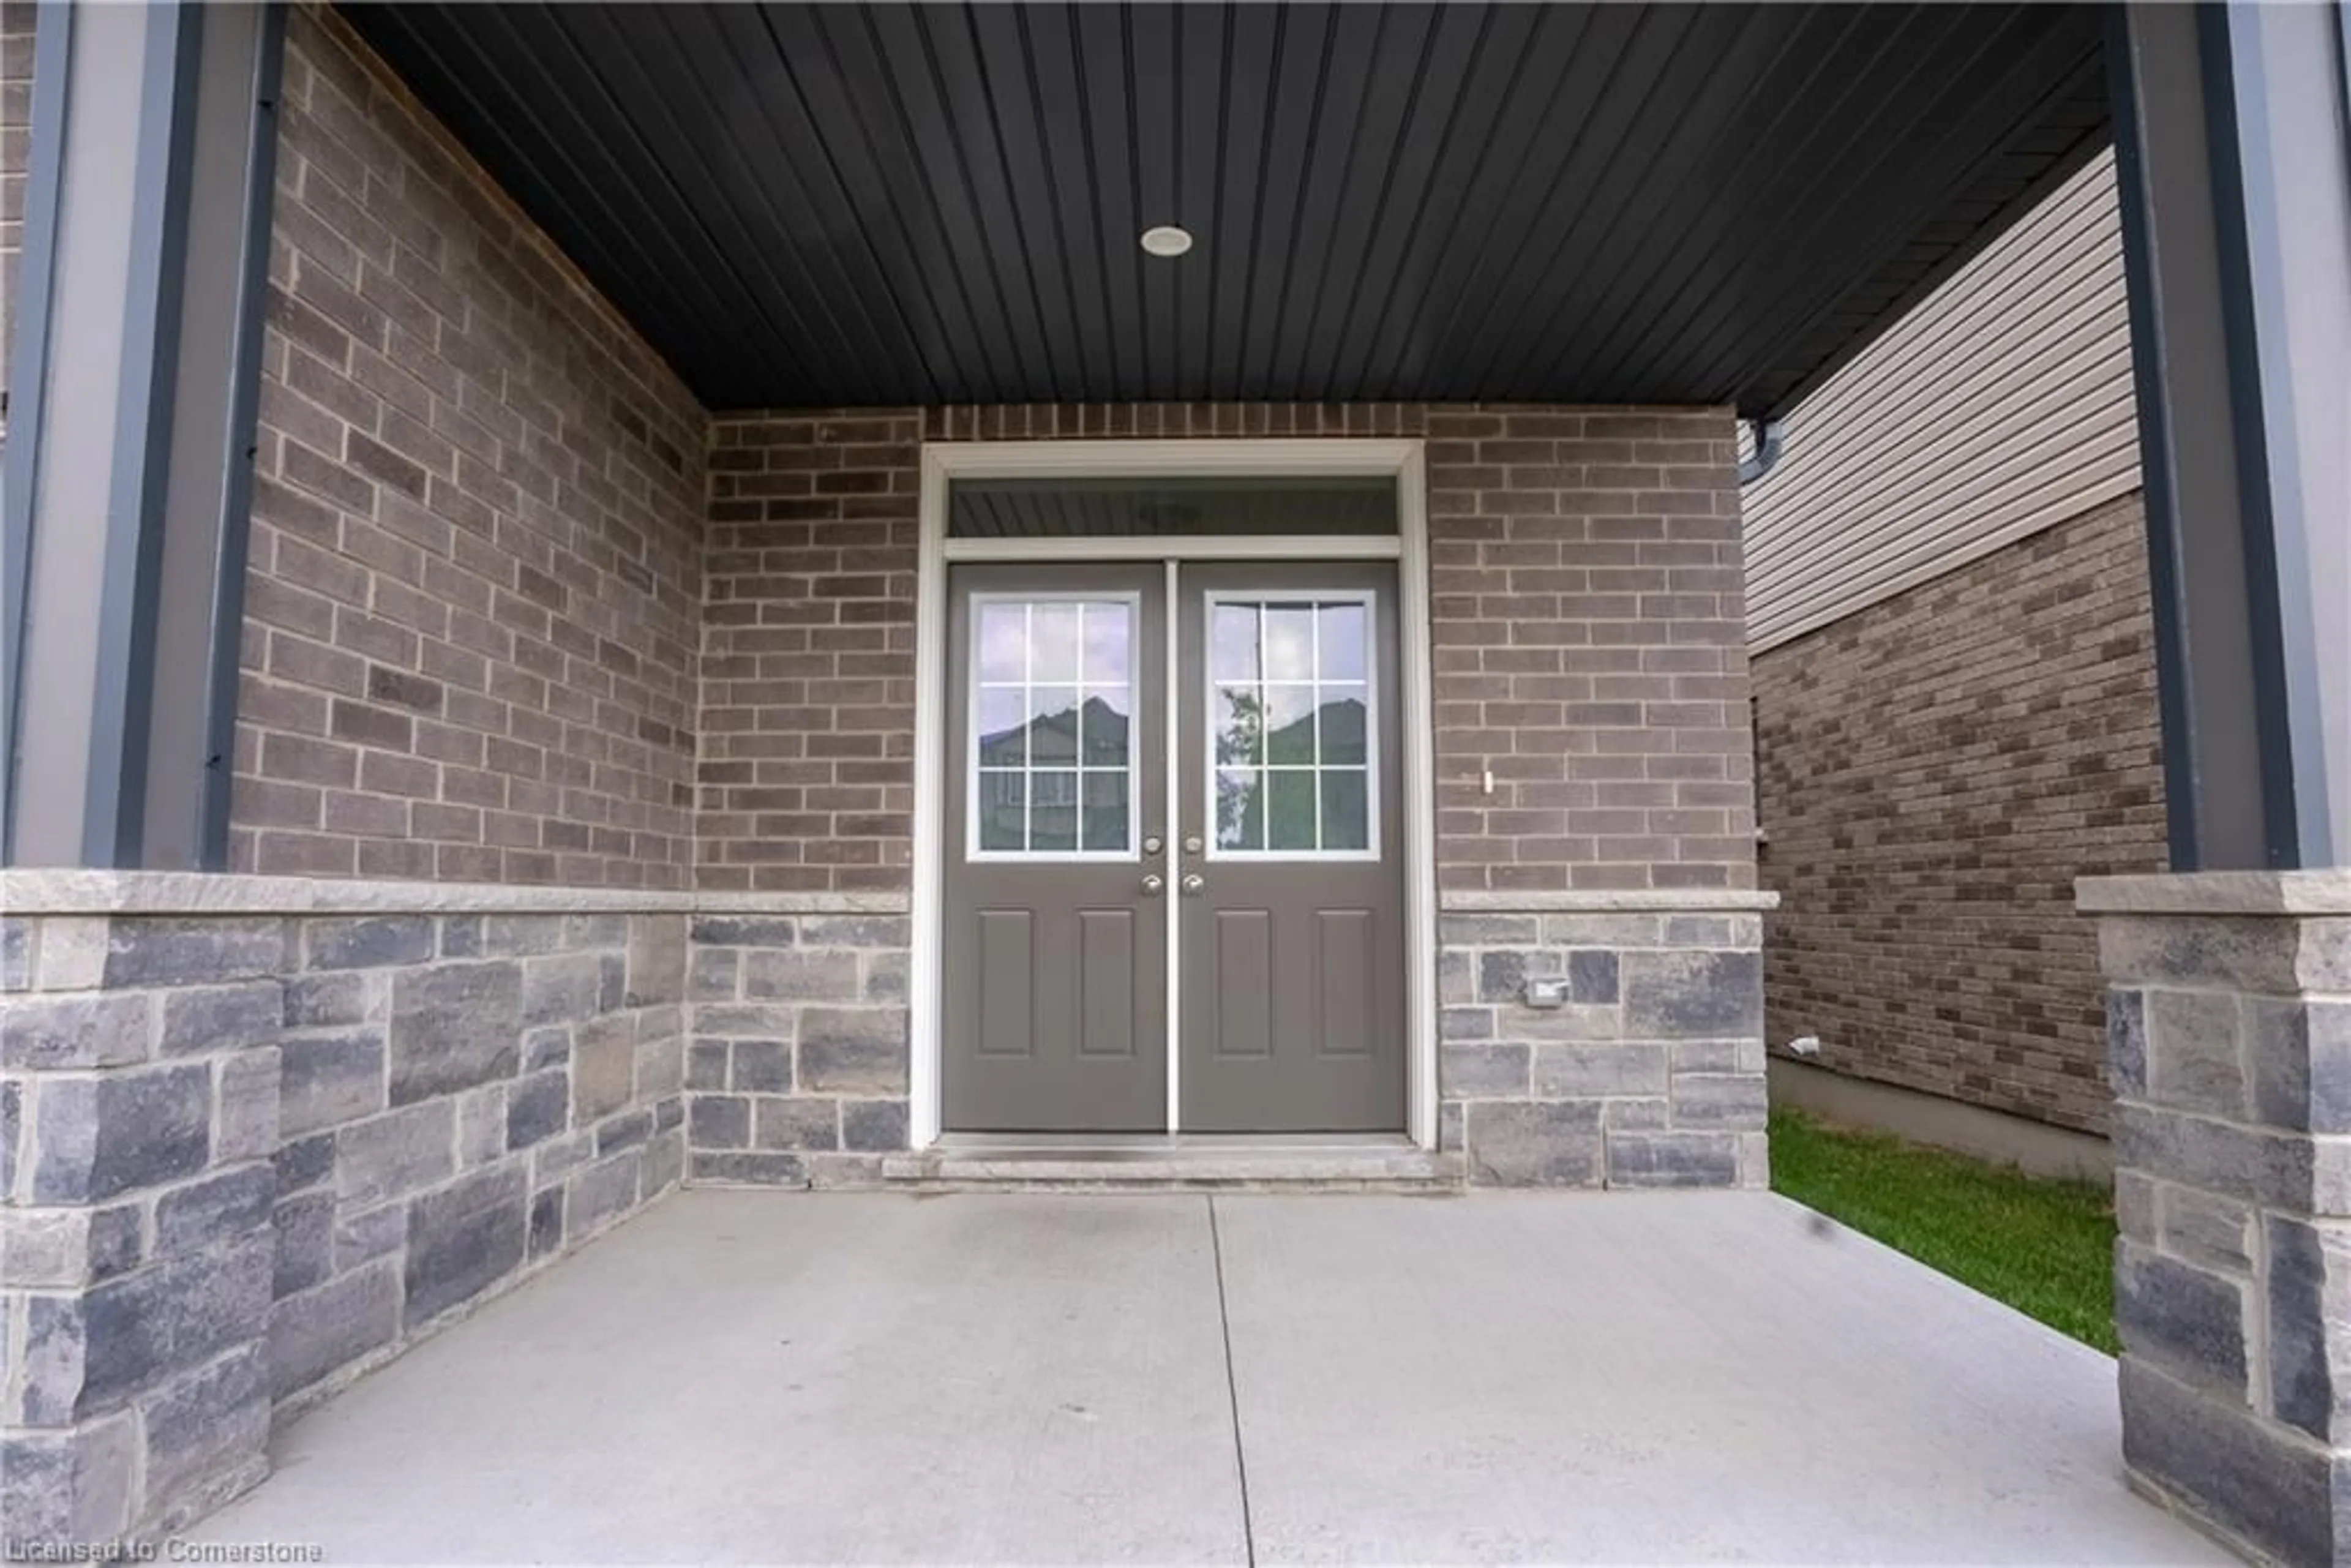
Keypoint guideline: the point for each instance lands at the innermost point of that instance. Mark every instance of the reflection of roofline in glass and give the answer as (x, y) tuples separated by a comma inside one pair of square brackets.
[(1147, 507)]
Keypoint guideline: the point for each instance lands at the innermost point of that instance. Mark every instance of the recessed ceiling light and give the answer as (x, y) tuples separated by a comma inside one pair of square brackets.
[(1166, 240)]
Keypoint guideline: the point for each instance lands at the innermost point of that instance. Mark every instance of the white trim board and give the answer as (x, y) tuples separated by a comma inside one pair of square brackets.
[(1334, 457)]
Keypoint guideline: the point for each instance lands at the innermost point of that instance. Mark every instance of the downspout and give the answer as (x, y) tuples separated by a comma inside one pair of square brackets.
[(1769, 438)]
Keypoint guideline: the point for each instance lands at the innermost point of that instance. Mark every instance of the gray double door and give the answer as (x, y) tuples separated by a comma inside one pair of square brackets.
[(1174, 814)]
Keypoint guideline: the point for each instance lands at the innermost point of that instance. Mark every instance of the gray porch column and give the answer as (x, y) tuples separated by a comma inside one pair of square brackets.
[(134, 378), (2229, 1033), (2228, 1012), (136, 1257)]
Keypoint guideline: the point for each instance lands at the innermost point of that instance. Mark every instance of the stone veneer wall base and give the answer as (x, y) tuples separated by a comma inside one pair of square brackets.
[(261, 1135), (2229, 1045), (1650, 1072)]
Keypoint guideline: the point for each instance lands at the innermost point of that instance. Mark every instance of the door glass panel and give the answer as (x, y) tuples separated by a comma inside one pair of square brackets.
[(1240, 811), (1109, 648), (1103, 728), (1053, 642), (1052, 811), (1341, 643), (1346, 810), (1003, 810), (1003, 727), (1240, 720), (1290, 808), (1233, 636), (1291, 716), (1104, 827), (1003, 644), (1052, 726), (1343, 717), (1052, 754), (1290, 724), (1288, 642)]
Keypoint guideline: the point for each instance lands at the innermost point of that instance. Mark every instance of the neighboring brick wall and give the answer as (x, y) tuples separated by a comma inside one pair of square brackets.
[(808, 657), (1936, 772), (471, 636)]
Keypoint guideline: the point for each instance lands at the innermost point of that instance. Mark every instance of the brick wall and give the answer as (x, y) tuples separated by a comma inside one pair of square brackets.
[(808, 657), (476, 549), (1936, 770), (1585, 618), (15, 146), (1590, 649)]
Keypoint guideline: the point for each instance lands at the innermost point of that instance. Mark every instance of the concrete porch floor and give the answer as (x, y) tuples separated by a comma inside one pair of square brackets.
[(740, 1376)]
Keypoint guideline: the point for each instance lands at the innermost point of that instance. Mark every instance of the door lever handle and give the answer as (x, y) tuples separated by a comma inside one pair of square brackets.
[(1192, 884), (1153, 887)]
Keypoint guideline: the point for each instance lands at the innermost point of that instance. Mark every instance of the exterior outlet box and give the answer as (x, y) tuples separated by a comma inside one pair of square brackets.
[(1549, 993)]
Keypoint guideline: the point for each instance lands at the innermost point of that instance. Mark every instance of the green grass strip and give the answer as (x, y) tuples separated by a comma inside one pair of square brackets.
[(2044, 1246)]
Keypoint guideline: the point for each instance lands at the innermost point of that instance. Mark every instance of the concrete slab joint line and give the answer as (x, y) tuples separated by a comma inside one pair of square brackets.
[(1232, 1385)]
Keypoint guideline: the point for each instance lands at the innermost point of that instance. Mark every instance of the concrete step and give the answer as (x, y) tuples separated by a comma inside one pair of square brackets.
[(1173, 1166)]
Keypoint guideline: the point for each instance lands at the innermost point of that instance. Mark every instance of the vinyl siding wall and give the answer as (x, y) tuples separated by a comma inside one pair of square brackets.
[(1955, 681), (2000, 407)]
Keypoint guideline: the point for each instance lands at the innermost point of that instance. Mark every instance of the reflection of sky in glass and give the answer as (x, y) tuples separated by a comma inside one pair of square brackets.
[(1107, 641), (1234, 636), (1053, 642), (1003, 641), (1339, 641), (1289, 648)]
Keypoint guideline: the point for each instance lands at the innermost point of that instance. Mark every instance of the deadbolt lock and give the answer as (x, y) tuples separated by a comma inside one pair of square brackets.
[(1192, 846), (1152, 846)]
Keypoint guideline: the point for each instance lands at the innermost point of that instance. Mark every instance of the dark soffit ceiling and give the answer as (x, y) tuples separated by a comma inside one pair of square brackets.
[(827, 204)]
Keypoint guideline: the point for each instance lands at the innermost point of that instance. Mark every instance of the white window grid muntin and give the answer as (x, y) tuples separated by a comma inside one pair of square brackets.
[(1258, 599), (974, 777)]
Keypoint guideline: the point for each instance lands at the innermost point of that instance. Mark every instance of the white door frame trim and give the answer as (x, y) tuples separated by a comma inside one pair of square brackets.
[(1408, 547)]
